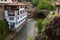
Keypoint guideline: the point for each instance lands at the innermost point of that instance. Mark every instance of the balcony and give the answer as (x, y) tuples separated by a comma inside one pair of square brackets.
[(11, 14), (12, 19), (22, 9)]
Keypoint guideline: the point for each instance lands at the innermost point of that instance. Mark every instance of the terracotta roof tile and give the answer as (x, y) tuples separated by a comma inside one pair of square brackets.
[(57, 3), (15, 4)]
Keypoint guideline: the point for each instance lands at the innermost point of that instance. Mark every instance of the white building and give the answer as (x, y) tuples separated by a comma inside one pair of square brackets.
[(15, 13), (7, 1)]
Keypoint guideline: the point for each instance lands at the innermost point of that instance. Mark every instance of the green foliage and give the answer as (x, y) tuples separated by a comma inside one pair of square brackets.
[(24, 0), (4, 29), (34, 2), (53, 15), (46, 4), (40, 4), (39, 25), (45, 22), (30, 38)]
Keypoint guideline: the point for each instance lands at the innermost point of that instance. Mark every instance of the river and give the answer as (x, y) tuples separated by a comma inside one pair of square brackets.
[(26, 32)]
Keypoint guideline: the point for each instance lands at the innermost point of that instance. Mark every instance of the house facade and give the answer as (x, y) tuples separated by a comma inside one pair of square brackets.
[(57, 4), (7, 1), (14, 12)]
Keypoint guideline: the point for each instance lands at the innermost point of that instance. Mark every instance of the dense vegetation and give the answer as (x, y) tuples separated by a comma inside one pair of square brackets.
[(39, 25), (34, 2), (40, 4), (42, 23), (30, 38), (53, 29), (4, 29), (43, 5), (46, 4)]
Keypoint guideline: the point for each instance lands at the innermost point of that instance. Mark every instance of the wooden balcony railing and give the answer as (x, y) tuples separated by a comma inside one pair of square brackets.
[(11, 14)]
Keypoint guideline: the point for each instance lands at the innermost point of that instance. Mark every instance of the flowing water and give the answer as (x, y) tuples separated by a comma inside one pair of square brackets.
[(26, 32)]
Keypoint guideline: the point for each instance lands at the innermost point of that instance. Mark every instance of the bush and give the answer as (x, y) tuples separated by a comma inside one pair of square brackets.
[(4, 29), (46, 22), (30, 38), (39, 25)]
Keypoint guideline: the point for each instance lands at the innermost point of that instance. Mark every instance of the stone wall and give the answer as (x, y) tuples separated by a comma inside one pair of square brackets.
[(1, 11)]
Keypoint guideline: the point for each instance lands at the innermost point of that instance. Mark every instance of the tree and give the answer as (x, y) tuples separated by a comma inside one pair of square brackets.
[(39, 25), (4, 29), (44, 4), (24, 0), (53, 29), (34, 2)]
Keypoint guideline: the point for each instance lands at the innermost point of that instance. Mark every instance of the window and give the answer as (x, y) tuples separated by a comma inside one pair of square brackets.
[(1, 0), (18, 17), (12, 25), (11, 18), (20, 6), (20, 12), (16, 22), (25, 7), (0, 6), (23, 11), (13, 0), (5, 0), (19, 21), (21, 16)]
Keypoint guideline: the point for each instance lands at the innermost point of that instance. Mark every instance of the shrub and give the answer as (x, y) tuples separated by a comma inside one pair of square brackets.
[(30, 38), (4, 29), (39, 25), (46, 22)]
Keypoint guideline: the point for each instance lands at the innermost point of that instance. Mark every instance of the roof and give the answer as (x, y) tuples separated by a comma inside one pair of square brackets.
[(31, 9), (57, 3), (28, 3), (15, 4)]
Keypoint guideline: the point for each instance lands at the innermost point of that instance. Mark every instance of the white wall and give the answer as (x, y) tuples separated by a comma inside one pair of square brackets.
[(16, 20), (8, 1), (16, 26), (7, 17)]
